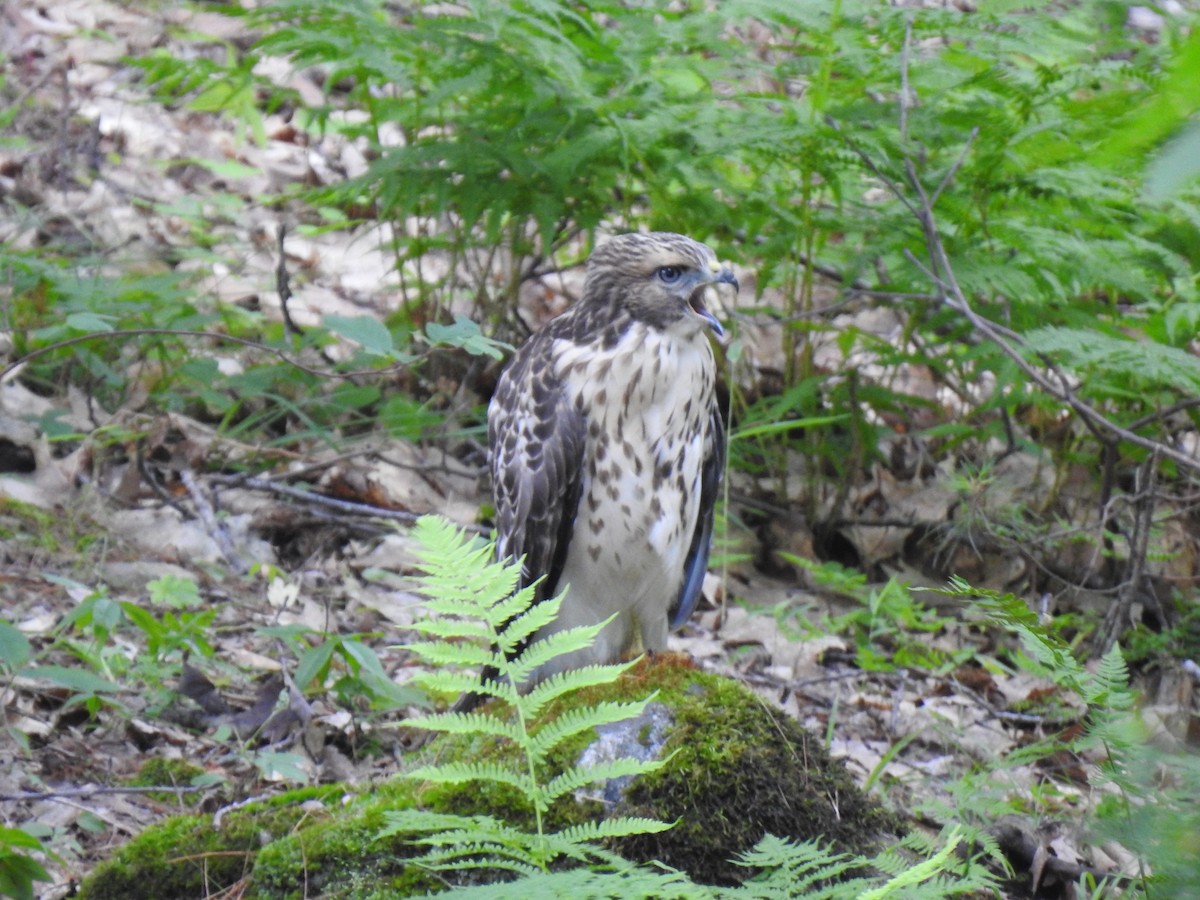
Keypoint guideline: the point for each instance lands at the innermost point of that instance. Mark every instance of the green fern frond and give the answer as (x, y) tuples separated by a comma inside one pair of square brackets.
[(454, 863), (576, 721), (574, 778), (411, 821), (927, 870), (792, 866), (615, 827), (463, 654), (521, 621), (562, 683), (1145, 364), (464, 682), (551, 647), (468, 723), (472, 629), (462, 772), (628, 883), (483, 622), (1108, 685)]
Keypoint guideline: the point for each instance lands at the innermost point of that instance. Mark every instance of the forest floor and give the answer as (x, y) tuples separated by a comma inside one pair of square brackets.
[(142, 509)]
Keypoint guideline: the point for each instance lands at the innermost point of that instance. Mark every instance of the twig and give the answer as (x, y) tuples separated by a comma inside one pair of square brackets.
[(214, 528), (346, 506), (97, 790), (283, 287), (1139, 544)]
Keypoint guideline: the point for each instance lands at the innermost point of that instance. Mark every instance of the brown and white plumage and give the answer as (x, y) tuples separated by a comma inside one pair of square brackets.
[(607, 445)]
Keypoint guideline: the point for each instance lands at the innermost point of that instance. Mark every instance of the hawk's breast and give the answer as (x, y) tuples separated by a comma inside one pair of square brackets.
[(647, 404)]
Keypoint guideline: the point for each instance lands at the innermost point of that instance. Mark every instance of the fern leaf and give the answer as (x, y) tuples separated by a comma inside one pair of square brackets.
[(467, 723), (562, 683), (481, 857), (522, 617), (456, 627), (1108, 686), (576, 721), (628, 883), (1144, 363), (408, 821), (462, 772), (922, 871), (466, 682), (804, 869), (470, 594), (464, 849), (549, 648), (576, 777), (459, 607), (617, 826), (447, 654)]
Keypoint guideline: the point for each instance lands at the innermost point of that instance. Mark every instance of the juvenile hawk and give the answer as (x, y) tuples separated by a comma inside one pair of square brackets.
[(607, 445)]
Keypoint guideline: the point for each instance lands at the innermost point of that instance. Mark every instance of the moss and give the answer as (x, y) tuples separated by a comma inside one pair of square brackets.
[(160, 771), (185, 856), (182, 857), (340, 857), (28, 525), (739, 770)]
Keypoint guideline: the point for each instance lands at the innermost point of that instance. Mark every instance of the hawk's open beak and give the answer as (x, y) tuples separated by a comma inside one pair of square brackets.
[(721, 275)]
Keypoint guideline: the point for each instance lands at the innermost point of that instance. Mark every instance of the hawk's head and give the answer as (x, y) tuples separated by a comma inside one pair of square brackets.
[(660, 278)]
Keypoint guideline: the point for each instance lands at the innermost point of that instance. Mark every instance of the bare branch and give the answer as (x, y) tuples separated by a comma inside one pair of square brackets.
[(97, 790)]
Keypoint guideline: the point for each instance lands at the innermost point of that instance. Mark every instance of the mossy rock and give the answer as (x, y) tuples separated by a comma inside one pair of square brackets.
[(737, 769)]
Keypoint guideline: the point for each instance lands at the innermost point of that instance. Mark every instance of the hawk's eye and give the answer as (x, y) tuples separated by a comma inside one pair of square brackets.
[(669, 274)]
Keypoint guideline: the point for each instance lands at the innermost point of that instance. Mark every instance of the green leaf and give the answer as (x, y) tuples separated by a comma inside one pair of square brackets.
[(1175, 165), (313, 663), (175, 591), (15, 648), (465, 334), (366, 331), (73, 679), (288, 766), (90, 322), (577, 721), (463, 772)]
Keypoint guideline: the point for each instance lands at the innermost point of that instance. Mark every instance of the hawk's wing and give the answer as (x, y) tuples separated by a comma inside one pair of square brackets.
[(697, 559), (537, 440)]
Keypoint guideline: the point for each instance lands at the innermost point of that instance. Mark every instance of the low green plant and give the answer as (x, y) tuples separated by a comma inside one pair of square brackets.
[(1149, 806), (482, 620), (346, 665), (887, 627), (18, 867)]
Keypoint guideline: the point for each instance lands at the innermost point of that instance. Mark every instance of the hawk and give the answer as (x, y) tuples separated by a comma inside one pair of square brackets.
[(607, 445)]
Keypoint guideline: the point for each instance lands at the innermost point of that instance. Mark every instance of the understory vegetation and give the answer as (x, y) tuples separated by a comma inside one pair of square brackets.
[(961, 381)]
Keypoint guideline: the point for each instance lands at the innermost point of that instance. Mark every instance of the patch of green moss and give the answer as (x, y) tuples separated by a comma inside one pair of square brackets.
[(338, 857), (740, 769), (28, 525), (176, 772), (185, 856)]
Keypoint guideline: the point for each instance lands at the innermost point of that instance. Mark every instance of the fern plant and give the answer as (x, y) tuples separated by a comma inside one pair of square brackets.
[(482, 620), (1150, 808)]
